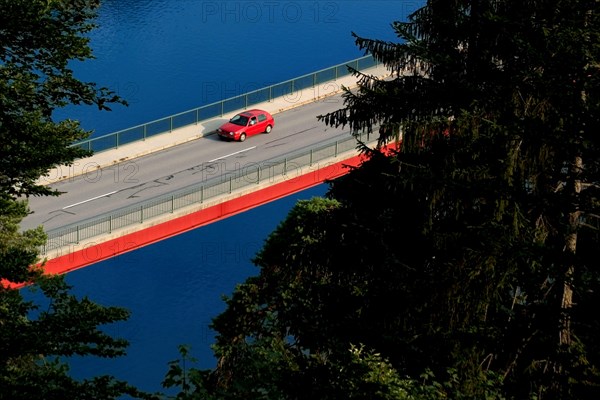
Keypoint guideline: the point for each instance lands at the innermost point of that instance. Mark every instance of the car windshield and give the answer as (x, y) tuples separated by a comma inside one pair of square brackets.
[(239, 120)]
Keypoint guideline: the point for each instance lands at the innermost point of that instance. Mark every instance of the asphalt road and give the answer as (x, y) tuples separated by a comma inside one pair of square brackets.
[(101, 191)]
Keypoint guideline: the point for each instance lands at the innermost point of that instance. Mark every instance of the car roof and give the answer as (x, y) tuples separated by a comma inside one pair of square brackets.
[(253, 112)]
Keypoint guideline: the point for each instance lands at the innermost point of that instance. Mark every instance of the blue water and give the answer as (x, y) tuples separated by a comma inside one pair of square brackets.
[(168, 56), (173, 288), (165, 57)]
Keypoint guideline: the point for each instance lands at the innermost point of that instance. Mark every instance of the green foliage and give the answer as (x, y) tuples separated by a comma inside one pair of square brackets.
[(17, 249), (39, 40), (494, 102), (190, 381), (35, 340), (37, 337)]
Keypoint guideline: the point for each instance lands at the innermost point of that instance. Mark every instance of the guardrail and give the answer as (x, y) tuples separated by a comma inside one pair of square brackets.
[(290, 166), (218, 109)]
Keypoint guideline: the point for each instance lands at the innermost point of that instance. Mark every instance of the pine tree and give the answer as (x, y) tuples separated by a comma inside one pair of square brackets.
[(496, 103)]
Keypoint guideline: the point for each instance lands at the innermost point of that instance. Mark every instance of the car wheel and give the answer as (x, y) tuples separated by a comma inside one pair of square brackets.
[(242, 137), (268, 130)]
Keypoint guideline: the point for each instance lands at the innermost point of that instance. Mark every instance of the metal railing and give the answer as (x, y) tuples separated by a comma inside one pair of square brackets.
[(218, 109), (289, 167)]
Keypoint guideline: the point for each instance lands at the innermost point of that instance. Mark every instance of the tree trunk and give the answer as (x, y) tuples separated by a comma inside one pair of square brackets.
[(570, 249)]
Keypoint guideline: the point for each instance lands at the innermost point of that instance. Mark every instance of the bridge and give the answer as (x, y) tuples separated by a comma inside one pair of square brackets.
[(145, 184)]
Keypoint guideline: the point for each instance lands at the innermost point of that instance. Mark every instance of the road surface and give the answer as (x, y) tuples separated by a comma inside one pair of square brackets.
[(101, 191)]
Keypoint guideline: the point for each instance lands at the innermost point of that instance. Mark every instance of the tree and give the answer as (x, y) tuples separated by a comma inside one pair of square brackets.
[(498, 103), (323, 317), (36, 337), (470, 253), (38, 41)]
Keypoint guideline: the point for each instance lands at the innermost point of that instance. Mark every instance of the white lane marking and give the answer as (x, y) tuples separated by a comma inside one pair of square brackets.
[(233, 154), (92, 199)]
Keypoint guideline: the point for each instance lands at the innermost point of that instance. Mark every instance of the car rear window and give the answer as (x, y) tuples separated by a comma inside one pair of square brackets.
[(261, 117)]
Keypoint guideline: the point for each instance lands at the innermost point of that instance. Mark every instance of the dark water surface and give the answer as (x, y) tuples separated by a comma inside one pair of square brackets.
[(173, 288), (167, 56)]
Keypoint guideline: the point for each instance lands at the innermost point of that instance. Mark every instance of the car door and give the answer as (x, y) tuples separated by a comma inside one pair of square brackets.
[(262, 122)]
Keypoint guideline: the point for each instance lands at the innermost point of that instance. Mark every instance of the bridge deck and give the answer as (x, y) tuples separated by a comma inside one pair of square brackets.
[(85, 252), (192, 132)]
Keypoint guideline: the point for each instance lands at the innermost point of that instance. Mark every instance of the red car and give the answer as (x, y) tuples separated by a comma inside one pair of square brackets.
[(246, 124)]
